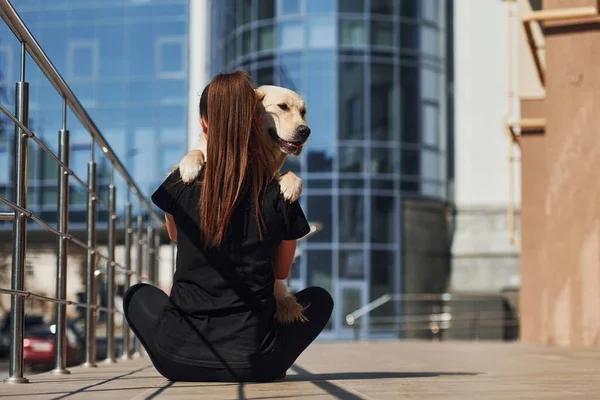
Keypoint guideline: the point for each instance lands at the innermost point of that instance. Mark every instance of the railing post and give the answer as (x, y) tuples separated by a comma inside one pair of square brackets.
[(139, 270), (15, 366), (151, 258), (156, 257), (110, 276), (90, 282), (128, 271), (140, 248), (60, 360)]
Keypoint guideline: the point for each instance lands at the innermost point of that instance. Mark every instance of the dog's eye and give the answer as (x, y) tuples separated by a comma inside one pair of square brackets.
[(283, 106), (303, 113)]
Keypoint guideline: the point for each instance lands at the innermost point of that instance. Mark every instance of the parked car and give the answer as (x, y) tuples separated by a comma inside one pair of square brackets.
[(39, 346), (29, 320), (39, 341)]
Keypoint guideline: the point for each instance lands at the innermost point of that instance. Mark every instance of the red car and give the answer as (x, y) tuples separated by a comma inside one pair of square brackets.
[(38, 347)]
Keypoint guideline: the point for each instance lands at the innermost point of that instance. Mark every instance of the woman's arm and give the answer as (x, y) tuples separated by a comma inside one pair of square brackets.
[(171, 229), (284, 256)]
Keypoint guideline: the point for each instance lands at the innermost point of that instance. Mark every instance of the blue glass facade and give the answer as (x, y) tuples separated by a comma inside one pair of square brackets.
[(127, 63), (373, 74)]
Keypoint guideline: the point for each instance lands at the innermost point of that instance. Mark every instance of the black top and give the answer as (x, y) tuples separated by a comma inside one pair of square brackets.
[(222, 306)]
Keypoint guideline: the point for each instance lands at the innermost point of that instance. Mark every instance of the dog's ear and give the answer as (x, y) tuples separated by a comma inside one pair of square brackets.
[(261, 95)]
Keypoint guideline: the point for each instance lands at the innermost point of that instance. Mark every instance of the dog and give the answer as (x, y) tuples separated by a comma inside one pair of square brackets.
[(285, 132)]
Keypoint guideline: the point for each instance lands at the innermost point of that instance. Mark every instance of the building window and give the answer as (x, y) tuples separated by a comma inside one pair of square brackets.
[(383, 220), (352, 6), (291, 35), (319, 269), (409, 36), (352, 32), (430, 10), (6, 64), (409, 100), (320, 6), (266, 38), (430, 165), (430, 84), (351, 159), (430, 125), (266, 9), (383, 7), (82, 57), (321, 32), (171, 57), (319, 210), (351, 209), (382, 33), (290, 7), (382, 160), (410, 8), (319, 159), (382, 102), (352, 264), (430, 41), (351, 100)]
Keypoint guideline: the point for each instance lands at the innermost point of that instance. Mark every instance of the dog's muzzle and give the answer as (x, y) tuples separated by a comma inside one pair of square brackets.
[(294, 147)]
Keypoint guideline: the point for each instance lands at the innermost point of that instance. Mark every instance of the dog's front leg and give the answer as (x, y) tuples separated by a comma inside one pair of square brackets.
[(290, 186), (288, 309), (191, 165)]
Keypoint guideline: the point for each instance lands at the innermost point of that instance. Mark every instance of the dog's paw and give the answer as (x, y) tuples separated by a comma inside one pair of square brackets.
[(288, 310), (290, 186), (191, 165)]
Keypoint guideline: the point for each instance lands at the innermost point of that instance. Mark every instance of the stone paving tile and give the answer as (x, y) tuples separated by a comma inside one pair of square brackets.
[(361, 370)]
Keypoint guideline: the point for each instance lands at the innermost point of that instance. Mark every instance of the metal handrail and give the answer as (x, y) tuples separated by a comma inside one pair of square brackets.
[(27, 294), (435, 321), (21, 214), (20, 30)]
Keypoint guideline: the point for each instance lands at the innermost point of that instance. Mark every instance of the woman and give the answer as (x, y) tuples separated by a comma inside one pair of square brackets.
[(235, 235)]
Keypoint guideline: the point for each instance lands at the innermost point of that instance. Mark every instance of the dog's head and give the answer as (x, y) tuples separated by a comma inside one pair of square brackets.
[(284, 118)]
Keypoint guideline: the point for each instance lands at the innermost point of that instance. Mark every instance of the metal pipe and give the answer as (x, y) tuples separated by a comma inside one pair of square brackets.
[(15, 366), (60, 360), (25, 293), (90, 281), (156, 257), (7, 216), (137, 350), (140, 248), (20, 30), (110, 278), (127, 277), (150, 258)]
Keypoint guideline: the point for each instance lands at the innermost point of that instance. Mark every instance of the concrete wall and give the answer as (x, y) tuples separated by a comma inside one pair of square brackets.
[(483, 259), (560, 289)]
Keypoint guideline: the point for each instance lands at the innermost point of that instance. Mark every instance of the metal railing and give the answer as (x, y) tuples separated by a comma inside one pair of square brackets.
[(146, 241), (437, 315)]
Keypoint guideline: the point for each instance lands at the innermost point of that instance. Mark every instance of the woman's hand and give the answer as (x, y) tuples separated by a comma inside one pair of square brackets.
[(171, 229), (284, 257)]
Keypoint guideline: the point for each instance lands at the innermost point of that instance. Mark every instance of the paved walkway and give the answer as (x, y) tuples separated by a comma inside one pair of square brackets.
[(348, 371)]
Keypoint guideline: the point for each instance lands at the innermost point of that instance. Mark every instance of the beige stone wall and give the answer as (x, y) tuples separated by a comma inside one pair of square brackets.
[(560, 292)]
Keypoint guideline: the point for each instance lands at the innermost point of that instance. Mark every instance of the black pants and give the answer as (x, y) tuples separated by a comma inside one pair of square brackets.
[(142, 305)]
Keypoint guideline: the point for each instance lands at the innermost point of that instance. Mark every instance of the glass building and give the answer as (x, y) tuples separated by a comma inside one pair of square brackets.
[(126, 61), (375, 75)]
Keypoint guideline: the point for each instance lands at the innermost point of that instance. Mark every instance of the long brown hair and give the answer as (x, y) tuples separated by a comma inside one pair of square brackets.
[(236, 160)]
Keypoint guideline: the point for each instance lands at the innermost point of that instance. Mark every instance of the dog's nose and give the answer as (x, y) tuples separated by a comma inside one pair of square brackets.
[(303, 131)]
